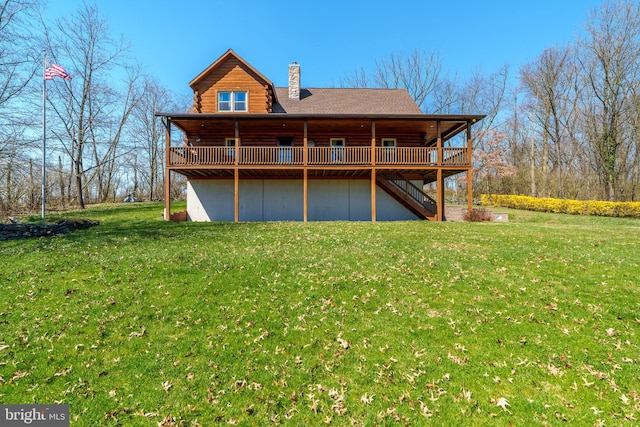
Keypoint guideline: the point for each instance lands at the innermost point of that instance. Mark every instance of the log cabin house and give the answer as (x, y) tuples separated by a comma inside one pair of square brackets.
[(255, 152)]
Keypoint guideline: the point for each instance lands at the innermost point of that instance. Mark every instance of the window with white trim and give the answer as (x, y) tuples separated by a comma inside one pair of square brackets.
[(230, 143), (337, 149), (389, 145), (389, 142), (232, 101)]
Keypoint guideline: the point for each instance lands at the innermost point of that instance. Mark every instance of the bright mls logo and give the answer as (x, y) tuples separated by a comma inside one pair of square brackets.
[(34, 415)]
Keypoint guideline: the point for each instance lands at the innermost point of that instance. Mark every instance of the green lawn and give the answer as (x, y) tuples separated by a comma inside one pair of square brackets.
[(143, 322)]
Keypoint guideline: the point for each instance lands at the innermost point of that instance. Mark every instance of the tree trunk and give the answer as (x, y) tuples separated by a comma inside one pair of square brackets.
[(61, 182), (32, 195), (532, 162), (80, 195)]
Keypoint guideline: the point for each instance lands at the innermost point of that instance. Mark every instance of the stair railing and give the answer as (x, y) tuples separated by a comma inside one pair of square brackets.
[(412, 191)]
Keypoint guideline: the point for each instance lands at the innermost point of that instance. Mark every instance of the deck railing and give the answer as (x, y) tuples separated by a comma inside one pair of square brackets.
[(329, 156), (339, 155), (258, 156), (455, 157), (201, 156), (406, 156)]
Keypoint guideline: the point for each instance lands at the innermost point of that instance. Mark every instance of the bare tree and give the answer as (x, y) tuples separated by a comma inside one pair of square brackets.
[(19, 56), (420, 73), (92, 108), (107, 155), (610, 58), (357, 79), (19, 63), (485, 94), (552, 89), (148, 160)]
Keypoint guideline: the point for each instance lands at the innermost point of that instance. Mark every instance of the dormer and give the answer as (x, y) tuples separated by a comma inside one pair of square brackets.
[(231, 85)]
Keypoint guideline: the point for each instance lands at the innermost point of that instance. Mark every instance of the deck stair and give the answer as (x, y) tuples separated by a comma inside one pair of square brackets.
[(408, 194)]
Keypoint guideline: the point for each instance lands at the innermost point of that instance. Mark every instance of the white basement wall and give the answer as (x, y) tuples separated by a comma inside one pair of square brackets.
[(282, 200)]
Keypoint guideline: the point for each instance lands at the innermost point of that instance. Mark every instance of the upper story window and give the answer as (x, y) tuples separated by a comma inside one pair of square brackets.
[(232, 101), (389, 142), (337, 149)]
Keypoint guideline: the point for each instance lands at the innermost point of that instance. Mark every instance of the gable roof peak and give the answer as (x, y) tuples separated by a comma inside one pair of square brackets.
[(229, 53)]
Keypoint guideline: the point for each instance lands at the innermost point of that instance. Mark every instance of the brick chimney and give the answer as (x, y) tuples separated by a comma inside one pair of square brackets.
[(294, 80)]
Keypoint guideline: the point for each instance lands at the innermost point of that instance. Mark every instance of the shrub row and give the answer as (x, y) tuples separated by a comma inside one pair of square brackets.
[(573, 207)]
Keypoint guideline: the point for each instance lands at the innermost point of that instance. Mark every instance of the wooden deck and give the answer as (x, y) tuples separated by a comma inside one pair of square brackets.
[(316, 156)]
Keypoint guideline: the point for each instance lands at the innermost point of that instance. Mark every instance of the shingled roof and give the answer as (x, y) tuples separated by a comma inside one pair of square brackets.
[(340, 101)]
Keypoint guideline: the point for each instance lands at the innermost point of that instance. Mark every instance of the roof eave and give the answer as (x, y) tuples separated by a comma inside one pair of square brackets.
[(203, 116)]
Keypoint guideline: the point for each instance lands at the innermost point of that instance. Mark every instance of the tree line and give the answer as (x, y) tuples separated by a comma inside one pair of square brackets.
[(105, 142), (566, 124)]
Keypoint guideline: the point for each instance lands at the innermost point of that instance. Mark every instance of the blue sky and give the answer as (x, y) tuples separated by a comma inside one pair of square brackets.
[(175, 41)]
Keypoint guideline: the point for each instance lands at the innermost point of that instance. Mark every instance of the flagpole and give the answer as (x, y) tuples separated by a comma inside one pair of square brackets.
[(44, 131)]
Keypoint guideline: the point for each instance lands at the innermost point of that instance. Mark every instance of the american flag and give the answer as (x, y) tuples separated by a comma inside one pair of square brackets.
[(55, 70)]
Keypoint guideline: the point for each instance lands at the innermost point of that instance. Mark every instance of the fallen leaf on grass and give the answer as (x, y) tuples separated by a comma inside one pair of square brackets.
[(367, 399), (167, 421), (586, 383), (137, 334), (503, 403), (344, 343), (555, 371)]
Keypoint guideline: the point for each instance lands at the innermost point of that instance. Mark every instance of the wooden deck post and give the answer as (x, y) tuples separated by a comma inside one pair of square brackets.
[(167, 173), (469, 171), (373, 171), (236, 176), (236, 197), (305, 182), (236, 142), (440, 191), (440, 178)]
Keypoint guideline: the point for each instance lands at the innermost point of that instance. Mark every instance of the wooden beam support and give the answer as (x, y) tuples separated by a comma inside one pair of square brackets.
[(237, 142), (373, 142), (439, 142), (236, 176), (373, 171), (373, 195), (440, 177), (167, 173), (305, 190), (236, 195), (469, 191), (305, 183), (440, 191), (470, 170), (305, 144)]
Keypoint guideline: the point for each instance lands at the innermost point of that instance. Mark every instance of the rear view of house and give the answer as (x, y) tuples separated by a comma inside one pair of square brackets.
[(255, 152)]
